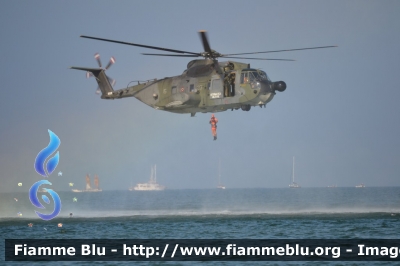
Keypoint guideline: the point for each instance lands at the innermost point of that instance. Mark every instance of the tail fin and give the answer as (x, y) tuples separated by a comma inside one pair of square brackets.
[(101, 78)]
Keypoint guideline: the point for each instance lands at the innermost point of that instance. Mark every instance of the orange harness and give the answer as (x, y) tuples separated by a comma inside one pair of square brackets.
[(213, 122)]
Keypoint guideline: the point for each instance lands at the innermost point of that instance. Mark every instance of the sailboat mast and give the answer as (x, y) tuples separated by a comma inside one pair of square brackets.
[(151, 175), (155, 174)]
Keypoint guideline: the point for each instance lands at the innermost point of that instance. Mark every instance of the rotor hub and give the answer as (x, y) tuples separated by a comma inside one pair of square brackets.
[(212, 55)]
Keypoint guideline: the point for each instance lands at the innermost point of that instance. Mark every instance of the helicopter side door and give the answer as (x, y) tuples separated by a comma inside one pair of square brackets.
[(216, 89)]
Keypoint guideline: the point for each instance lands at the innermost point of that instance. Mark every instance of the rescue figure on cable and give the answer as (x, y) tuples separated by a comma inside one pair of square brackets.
[(213, 122)]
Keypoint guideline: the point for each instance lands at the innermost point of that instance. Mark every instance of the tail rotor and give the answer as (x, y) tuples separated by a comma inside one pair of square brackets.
[(110, 63)]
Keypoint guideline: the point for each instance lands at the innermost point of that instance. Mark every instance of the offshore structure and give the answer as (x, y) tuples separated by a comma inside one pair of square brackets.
[(89, 187)]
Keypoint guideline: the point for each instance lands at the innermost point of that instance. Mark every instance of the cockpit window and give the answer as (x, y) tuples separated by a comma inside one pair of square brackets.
[(244, 77), (254, 76), (264, 75), (249, 76)]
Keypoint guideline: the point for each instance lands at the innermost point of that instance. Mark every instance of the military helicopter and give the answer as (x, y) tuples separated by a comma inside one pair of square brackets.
[(205, 86)]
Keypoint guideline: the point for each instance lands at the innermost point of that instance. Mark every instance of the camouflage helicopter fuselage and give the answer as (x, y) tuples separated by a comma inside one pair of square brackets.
[(200, 88)]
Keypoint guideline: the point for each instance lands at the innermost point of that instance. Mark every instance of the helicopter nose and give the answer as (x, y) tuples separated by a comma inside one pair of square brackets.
[(279, 86)]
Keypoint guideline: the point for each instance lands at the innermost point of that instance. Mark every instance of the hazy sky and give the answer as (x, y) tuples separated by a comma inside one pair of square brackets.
[(339, 115)]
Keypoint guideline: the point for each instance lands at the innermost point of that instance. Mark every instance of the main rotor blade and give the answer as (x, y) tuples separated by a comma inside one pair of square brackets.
[(207, 49), (180, 55), (140, 45), (252, 58), (217, 67), (288, 50), (204, 40)]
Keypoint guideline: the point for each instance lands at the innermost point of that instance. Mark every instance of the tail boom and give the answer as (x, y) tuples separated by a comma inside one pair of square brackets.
[(101, 78)]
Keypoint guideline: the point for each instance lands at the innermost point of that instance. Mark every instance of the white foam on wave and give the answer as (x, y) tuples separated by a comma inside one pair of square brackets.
[(227, 213)]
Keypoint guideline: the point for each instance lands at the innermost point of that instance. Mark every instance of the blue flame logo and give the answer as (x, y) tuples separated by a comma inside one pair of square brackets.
[(52, 163), (45, 153), (35, 201)]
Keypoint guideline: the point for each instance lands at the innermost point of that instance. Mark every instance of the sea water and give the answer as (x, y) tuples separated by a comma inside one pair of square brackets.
[(302, 213)]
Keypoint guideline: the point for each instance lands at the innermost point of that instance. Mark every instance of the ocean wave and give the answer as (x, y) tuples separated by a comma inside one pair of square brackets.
[(215, 213)]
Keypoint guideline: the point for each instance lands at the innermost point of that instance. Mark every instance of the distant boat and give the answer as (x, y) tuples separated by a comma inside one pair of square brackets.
[(360, 186), (293, 184), (220, 186), (88, 186), (151, 185)]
